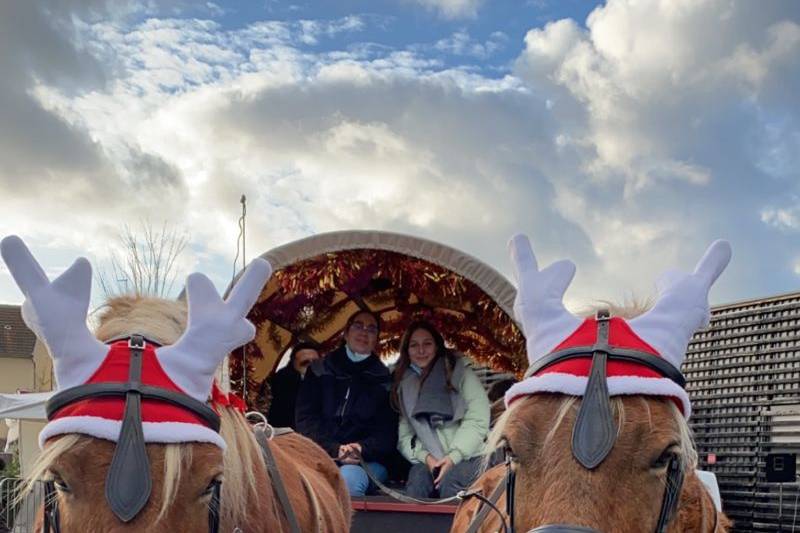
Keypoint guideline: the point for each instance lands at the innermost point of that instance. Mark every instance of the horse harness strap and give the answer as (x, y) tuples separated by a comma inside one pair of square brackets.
[(484, 509), (128, 483), (52, 520), (275, 475)]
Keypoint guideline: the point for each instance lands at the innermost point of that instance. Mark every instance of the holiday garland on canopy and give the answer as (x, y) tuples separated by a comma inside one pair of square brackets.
[(306, 298)]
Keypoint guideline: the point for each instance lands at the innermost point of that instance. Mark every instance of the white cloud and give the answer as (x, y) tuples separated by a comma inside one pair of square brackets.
[(787, 219), (461, 44), (626, 146), (453, 9)]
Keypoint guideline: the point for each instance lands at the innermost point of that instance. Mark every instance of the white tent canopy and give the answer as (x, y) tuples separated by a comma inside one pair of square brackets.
[(29, 406)]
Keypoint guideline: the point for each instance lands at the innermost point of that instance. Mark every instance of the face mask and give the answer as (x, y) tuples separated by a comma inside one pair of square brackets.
[(355, 357)]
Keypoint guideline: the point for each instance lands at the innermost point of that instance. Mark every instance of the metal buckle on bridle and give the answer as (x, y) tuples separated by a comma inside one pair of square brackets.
[(263, 424)]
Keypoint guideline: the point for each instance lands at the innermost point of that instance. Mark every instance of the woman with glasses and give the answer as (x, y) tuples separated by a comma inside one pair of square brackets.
[(343, 405), (444, 414)]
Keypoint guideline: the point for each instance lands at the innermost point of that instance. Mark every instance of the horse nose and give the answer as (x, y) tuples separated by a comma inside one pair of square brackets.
[(563, 528)]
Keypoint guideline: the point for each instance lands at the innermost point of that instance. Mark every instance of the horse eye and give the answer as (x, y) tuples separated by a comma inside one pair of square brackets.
[(663, 460), (60, 484)]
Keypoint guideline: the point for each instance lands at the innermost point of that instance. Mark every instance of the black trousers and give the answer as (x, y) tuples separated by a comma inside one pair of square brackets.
[(460, 477)]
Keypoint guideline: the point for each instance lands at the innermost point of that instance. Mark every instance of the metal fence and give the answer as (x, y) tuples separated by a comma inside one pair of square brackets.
[(18, 517), (743, 376)]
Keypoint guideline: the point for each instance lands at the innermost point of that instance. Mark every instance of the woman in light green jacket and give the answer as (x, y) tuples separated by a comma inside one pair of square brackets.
[(444, 414)]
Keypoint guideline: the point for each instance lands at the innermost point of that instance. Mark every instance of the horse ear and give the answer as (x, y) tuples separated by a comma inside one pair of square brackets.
[(56, 312), (214, 328), (539, 304), (682, 306)]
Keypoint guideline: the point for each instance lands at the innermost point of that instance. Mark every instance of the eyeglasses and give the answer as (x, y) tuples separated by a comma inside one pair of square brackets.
[(371, 330)]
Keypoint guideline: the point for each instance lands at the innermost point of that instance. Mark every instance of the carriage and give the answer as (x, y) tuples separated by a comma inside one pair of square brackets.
[(321, 280)]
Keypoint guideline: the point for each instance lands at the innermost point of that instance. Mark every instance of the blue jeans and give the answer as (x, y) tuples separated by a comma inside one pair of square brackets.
[(356, 478)]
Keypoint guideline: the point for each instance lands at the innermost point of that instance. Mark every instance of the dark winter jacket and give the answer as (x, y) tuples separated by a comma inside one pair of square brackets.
[(284, 386), (342, 402)]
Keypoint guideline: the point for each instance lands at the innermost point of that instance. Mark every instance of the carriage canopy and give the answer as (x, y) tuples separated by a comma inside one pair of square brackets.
[(321, 280)]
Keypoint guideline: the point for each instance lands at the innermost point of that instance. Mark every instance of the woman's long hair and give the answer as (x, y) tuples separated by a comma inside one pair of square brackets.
[(405, 359)]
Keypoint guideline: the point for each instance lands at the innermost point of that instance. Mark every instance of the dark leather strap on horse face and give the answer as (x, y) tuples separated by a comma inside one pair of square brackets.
[(672, 493), (214, 508), (595, 430), (52, 522), (128, 482), (511, 484), (147, 392)]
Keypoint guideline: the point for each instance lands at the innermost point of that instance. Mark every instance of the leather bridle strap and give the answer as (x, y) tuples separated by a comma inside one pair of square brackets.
[(613, 353), (214, 508), (51, 518), (277, 481), (147, 392), (494, 497), (672, 493), (128, 482)]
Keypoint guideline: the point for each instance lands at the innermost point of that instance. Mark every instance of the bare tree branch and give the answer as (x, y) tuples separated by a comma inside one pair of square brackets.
[(146, 266)]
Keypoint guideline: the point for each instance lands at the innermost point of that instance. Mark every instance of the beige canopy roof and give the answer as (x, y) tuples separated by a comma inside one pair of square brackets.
[(321, 280)]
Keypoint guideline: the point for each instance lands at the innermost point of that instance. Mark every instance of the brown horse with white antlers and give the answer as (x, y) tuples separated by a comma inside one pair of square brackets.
[(596, 435), (133, 442)]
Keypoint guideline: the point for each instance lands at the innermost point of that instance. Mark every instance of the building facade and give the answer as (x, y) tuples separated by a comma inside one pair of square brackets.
[(743, 376), (24, 362)]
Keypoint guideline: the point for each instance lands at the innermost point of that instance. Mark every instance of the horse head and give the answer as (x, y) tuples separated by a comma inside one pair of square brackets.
[(131, 442), (596, 433)]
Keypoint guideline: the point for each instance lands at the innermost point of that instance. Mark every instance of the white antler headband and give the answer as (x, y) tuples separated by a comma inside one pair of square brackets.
[(681, 309), (57, 311), (214, 328), (539, 304)]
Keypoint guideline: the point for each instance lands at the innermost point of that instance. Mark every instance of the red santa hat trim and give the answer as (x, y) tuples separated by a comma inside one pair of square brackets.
[(101, 417), (664, 331), (624, 377)]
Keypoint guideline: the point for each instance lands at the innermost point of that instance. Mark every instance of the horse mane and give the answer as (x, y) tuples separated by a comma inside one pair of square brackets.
[(163, 321)]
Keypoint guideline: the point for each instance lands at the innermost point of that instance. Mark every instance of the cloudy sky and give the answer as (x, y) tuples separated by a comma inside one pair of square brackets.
[(626, 135)]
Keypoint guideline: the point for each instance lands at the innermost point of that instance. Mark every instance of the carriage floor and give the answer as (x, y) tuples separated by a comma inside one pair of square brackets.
[(381, 514)]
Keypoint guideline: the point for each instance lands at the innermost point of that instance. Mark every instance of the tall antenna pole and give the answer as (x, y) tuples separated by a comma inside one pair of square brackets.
[(242, 224)]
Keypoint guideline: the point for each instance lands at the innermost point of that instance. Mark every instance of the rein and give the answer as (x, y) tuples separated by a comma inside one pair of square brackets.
[(128, 483), (260, 433), (506, 485)]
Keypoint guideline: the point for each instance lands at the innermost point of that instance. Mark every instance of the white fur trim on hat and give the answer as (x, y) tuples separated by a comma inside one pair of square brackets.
[(103, 428), (573, 385)]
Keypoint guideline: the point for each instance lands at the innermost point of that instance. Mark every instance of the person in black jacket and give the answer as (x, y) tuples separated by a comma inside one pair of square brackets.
[(285, 384), (343, 405)]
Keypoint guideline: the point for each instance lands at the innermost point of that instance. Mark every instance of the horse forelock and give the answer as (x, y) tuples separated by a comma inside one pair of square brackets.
[(630, 308), (160, 320)]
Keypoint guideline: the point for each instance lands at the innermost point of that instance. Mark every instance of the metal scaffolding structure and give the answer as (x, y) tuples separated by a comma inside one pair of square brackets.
[(743, 376)]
